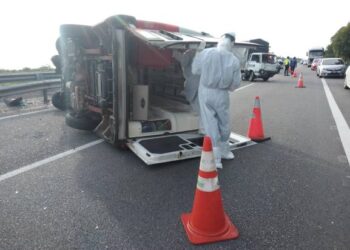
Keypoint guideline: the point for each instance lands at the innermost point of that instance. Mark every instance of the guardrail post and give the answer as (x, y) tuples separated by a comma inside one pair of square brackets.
[(39, 76), (46, 100)]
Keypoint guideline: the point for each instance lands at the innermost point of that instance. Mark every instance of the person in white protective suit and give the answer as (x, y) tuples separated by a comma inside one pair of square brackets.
[(219, 73), (191, 82)]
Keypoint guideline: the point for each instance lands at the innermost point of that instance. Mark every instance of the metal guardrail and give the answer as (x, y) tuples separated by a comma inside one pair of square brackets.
[(28, 87), (32, 76)]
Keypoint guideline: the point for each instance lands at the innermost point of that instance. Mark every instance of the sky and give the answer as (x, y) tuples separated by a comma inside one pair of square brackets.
[(29, 28)]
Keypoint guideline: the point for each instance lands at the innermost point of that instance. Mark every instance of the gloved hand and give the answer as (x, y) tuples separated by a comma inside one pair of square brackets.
[(201, 46)]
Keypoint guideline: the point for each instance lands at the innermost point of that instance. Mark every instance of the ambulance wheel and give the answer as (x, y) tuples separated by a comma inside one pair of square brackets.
[(81, 122), (58, 102)]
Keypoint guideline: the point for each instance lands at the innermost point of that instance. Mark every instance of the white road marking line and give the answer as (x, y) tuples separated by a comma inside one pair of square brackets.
[(343, 128), (28, 113), (47, 160), (246, 86)]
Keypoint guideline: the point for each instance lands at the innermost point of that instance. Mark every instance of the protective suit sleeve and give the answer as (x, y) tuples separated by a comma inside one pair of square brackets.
[(198, 59), (236, 81), (187, 58), (197, 64)]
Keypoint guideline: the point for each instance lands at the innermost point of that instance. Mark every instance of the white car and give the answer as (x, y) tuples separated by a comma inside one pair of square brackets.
[(347, 79), (331, 67)]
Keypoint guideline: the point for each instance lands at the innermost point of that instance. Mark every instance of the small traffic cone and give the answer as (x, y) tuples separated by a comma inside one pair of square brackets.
[(256, 130), (208, 222), (300, 81)]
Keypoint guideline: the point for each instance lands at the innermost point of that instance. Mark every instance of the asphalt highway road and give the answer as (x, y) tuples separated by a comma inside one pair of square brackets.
[(291, 192)]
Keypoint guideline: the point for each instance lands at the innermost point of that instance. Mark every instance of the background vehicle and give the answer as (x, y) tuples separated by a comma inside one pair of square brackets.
[(119, 78), (347, 79), (260, 65), (316, 52), (331, 67), (315, 63)]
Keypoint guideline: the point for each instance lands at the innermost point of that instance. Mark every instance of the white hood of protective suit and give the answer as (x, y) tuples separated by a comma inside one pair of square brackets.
[(225, 44), (218, 67)]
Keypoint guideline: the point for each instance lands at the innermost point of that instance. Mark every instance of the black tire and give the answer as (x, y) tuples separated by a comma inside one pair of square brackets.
[(58, 102), (251, 76), (265, 79), (346, 86), (74, 30), (56, 60), (82, 122), (121, 145)]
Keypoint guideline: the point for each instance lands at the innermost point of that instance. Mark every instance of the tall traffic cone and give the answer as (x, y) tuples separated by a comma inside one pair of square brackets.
[(256, 130), (208, 222), (300, 81)]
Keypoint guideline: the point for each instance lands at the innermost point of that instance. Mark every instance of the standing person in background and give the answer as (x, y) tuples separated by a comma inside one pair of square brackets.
[(220, 73), (286, 66), (293, 65)]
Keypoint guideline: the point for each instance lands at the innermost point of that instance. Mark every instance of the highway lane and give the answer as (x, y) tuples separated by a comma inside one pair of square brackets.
[(34, 137), (341, 95), (298, 118), (288, 193)]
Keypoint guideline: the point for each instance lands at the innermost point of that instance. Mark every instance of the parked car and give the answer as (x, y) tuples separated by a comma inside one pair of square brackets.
[(315, 63), (121, 80), (331, 67), (347, 79)]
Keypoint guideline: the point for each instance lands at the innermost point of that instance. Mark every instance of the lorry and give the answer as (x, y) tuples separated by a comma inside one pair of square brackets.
[(120, 80), (312, 53), (260, 65)]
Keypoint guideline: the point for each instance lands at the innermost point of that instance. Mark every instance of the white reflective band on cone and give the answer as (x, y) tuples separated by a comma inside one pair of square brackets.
[(208, 185), (207, 162), (257, 103)]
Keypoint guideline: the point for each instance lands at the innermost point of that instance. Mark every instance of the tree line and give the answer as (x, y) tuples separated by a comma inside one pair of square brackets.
[(340, 44), (26, 69)]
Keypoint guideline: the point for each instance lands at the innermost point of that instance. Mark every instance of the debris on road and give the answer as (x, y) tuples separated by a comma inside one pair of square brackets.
[(14, 102)]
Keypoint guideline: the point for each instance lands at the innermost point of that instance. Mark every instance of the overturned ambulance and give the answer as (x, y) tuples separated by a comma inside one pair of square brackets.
[(120, 79)]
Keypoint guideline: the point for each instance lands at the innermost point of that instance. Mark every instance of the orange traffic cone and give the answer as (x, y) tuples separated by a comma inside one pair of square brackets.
[(294, 74), (208, 222), (256, 130), (300, 81)]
